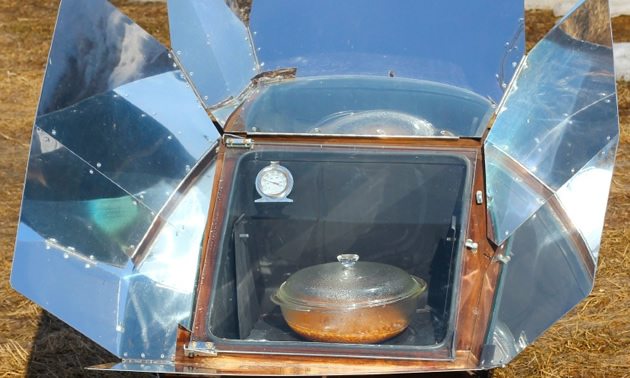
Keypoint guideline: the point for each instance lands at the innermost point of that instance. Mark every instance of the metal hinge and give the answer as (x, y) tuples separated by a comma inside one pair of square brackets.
[(200, 349), (470, 244), (232, 141), (502, 258)]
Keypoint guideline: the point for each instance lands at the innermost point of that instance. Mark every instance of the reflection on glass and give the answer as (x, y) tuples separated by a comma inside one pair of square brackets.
[(479, 46), (364, 105), (402, 208)]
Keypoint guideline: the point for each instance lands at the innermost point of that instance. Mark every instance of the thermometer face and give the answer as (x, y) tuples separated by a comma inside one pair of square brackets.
[(274, 181)]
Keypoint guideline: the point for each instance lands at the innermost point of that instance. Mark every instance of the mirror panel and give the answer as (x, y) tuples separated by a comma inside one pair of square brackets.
[(553, 146), (215, 47), (328, 37), (117, 187), (559, 113)]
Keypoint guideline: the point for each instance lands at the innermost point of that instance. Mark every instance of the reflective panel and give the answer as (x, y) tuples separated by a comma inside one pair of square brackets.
[(511, 189), (176, 247), (145, 136), (160, 291), (549, 159), (328, 37), (132, 311), (138, 367), (95, 49), (74, 206), (215, 48), (67, 285), (584, 197), (128, 112), (560, 112), (117, 188), (547, 275)]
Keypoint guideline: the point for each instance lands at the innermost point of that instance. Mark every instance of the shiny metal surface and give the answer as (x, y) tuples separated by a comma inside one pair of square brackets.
[(274, 183), (74, 206), (393, 39), (66, 284), (161, 288), (585, 195), (122, 161), (560, 112), (141, 367), (116, 193), (215, 47), (96, 48), (550, 155), (545, 277)]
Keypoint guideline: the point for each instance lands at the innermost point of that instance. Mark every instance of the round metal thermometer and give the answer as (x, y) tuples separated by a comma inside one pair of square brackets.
[(274, 183)]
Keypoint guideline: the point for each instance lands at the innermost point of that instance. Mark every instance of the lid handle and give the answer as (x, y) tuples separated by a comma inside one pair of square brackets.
[(348, 260)]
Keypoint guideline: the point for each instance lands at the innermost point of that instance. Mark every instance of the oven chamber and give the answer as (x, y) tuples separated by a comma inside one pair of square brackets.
[(484, 174)]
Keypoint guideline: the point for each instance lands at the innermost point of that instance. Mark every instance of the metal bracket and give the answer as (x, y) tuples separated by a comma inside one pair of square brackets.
[(470, 244), (479, 197), (502, 258), (194, 349), (237, 142)]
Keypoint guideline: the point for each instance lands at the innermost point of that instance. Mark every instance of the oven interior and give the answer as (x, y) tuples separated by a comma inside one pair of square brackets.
[(406, 209)]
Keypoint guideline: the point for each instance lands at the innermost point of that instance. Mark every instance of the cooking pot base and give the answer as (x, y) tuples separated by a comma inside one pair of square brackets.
[(272, 326)]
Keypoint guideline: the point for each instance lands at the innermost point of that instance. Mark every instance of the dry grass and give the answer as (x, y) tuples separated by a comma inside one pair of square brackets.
[(593, 340)]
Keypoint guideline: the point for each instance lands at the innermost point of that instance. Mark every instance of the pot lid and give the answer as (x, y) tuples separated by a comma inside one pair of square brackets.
[(347, 284)]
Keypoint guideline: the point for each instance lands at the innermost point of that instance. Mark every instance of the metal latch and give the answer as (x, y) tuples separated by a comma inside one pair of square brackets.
[(236, 142), (470, 244), (479, 197), (502, 258)]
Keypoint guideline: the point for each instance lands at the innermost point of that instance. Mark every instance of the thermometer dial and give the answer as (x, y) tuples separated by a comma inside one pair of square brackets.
[(274, 183)]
